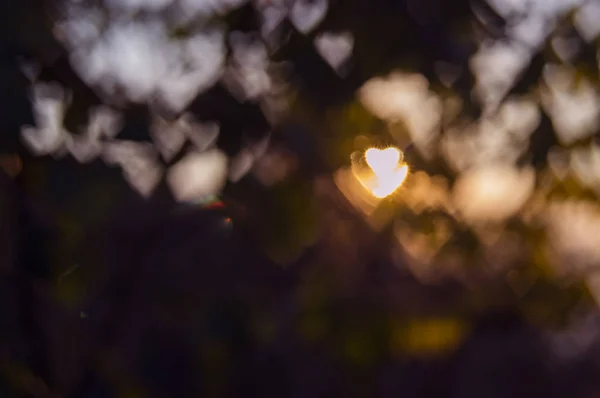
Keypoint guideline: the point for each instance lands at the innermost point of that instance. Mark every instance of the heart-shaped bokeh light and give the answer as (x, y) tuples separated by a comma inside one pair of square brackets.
[(385, 172), (382, 161)]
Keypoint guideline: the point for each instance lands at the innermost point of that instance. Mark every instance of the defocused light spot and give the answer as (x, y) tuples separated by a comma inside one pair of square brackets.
[(424, 192), (82, 148), (500, 136), (530, 22), (565, 48), (585, 164), (532, 30), (496, 67), (142, 60), (135, 5), (48, 136), (578, 338), (382, 161), (198, 175), (272, 14), (573, 229), (241, 165), (87, 146), (386, 173), (247, 76), (138, 161), (305, 15), (428, 336), (170, 136), (104, 123), (346, 181), (274, 166), (335, 48), (202, 135), (192, 8), (477, 144), (421, 246), (492, 193), (587, 20), (405, 98), (573, 104), (80, 25), (196, 67), (519, 117), (276, 102), (506, 8)]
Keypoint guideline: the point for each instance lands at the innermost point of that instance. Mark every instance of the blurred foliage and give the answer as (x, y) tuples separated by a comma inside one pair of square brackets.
[(317, 233)]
